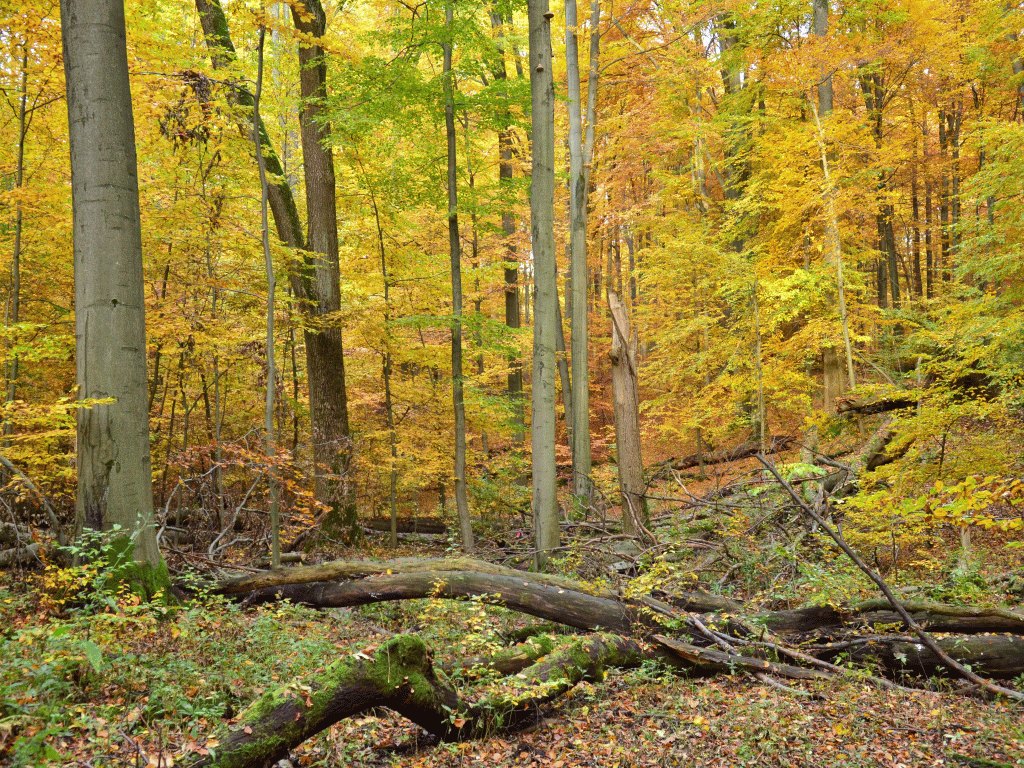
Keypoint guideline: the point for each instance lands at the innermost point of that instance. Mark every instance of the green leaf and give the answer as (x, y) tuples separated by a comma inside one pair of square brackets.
[(93, 654)]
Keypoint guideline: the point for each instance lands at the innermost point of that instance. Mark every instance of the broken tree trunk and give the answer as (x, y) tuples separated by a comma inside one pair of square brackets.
[(627, 419)]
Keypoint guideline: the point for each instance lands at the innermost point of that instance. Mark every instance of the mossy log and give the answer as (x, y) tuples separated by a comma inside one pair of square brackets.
[(570, 603), (401, 677)]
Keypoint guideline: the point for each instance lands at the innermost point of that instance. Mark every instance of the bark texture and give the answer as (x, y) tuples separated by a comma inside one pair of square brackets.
[(542, 201), (325, 358), (114, 476), (626, 402)]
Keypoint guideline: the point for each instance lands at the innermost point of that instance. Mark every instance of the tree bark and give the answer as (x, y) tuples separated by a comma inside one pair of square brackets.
[(311, 276), (820, 28), (114, 470), (269, 433), (626, 403), (455, 255), (325, 357), (579, 278), (542, 201)]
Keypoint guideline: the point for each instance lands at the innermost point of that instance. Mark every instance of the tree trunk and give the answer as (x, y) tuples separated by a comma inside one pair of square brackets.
[(14, 317), (508, 229), (311, 276), (269, 433), (579, 282), (114, 475), (820, 28), (834, 251), (542, 201), (455, 253), (325, 358), (626, 403)]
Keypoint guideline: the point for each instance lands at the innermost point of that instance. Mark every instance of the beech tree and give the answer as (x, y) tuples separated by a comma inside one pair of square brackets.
[(545, 321), (114, 480)]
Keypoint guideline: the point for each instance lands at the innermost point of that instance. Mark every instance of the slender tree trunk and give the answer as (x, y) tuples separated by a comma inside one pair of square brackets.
[(626, 403), (14, 316), (508, 228), (929, 261), (563, 369), (311, 276), (542, 202), (114, 471), (916, 242), (455, 248), (579, 279), (386, 372), (953, 134), (942, 263), (762, 411), (269, 433), (834, 249)]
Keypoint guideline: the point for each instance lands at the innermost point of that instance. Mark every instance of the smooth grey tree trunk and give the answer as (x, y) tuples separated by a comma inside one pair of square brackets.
[(578, 273), (820, 28), (626, 404), (114, 478), (542, 202), (455, 253)]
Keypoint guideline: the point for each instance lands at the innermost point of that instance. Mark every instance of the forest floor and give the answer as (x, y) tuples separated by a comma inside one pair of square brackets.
[(138, 685)]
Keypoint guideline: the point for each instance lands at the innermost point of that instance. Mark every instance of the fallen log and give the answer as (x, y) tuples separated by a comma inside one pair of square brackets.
[(523, 593), (744, 450), (935, 617), (19, 556), (569, 603), (563, 600), (997, 656), (424, 525), (400, 676), (870, 406)]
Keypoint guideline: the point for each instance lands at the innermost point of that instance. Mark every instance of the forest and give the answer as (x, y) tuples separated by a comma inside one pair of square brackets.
[(511, 382)]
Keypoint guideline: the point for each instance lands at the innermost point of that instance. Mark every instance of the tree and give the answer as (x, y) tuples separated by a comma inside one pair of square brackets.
[(580, 156), (542, 201), (325, 355), (114, 480), (455, 254), (314, 275)]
